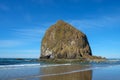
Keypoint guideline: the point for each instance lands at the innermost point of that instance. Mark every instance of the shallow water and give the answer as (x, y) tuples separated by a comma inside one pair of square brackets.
[(41, 71)]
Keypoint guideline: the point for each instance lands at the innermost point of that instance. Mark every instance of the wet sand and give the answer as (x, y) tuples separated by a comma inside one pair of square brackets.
[(66, 72), (107, 73), (84, 75)]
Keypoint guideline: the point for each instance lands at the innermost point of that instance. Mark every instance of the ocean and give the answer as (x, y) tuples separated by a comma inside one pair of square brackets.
[(30, 69)]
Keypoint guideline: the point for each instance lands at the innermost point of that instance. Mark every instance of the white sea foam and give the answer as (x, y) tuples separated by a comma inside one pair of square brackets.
[(19, 65), (114, 60), (29, 65)]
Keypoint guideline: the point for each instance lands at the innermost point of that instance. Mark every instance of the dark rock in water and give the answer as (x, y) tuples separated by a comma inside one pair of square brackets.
[(19, 58), (63, 41)]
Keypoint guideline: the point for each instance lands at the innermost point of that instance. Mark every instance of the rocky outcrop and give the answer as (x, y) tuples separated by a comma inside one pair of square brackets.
[(62, 40)]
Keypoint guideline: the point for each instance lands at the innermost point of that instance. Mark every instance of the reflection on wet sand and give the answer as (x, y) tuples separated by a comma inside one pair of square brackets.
[(83, 75)]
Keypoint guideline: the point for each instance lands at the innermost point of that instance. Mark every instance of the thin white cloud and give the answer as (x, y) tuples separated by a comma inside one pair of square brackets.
[(29, 32), (23, 37), (10, 43), (22, 50), (101, 22), (26, 51)]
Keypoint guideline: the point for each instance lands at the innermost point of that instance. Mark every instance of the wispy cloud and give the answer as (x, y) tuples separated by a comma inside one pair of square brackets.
[(105, 21), (22, 37), (22, 50), (31, 34), (10, 43), (4, 7), (26, 51)]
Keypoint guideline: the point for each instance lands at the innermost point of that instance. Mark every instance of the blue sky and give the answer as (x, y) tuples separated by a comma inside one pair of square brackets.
[(24, 22)]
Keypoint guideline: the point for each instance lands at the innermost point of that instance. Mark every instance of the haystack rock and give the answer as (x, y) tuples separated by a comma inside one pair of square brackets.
[(63, 41)]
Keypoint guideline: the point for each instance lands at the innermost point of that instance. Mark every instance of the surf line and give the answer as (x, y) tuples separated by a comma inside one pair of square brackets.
[(28, 65)]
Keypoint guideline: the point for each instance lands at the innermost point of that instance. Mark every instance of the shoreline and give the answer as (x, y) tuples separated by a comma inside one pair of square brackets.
[(82, 60), (62, 72)]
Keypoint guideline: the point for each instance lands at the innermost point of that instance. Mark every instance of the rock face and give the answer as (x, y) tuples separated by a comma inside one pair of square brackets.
[(63, 41)]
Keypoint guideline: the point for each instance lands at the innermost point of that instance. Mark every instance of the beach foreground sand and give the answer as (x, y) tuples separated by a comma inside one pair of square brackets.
[(63, 72)]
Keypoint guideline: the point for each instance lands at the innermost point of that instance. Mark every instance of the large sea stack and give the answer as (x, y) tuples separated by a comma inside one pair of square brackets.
[(63, 41)]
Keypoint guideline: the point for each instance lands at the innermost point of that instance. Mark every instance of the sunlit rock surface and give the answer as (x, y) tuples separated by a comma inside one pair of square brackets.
[(62, 40)]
